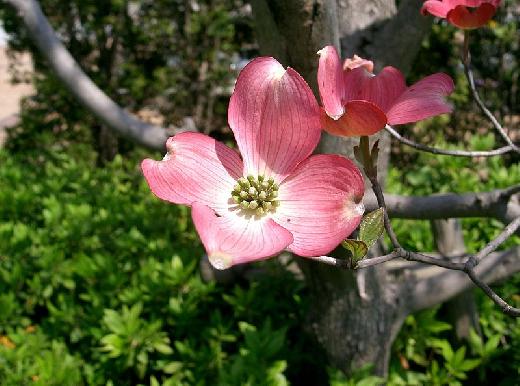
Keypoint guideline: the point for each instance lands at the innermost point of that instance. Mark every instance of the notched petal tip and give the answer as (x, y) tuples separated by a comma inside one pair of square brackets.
[(354, 207), (356, 61), (336, 117), (327, 50), (220, 260)]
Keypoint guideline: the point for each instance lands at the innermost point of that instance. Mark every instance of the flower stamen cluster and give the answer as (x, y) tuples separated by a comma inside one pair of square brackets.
[(256, 194)]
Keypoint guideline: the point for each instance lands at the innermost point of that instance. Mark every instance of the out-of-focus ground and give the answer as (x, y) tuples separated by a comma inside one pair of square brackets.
[(12, 93)]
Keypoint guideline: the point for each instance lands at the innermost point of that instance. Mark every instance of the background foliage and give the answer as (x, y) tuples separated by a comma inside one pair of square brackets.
[(99, 281)]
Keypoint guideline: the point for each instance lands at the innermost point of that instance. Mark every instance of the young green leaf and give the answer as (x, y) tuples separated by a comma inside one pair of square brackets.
[(372, 227), (357, 248)]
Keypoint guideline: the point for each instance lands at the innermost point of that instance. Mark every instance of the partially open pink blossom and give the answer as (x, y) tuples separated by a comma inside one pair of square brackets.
[(466, 14), (277, 195), (357, 102), (357, 61)]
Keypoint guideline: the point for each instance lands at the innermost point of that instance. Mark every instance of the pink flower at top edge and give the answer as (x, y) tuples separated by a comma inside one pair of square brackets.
[(465, 14), (356, 103), (277, 196)]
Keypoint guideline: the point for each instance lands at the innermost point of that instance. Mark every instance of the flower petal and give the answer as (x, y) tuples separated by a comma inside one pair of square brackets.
[(355, 80), (231, 239), (275, 118), (422, 100), (331, 82), (435, 8), (457, 13), (357, 61), (321, 203), (361, 118), (463, 18), (384, 88), (196, 168)]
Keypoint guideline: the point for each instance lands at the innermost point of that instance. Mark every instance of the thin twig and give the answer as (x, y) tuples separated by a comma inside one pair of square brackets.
[(503, 236), (329, 260), (381, 201), (370, 167), (369, 160), (474, 93), (431, 260), (456, 153), (378, 260), (506, 308)]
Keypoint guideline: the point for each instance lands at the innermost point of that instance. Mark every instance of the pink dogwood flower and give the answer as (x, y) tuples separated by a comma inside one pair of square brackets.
[(277, 196), (356, 103), (465, 14)]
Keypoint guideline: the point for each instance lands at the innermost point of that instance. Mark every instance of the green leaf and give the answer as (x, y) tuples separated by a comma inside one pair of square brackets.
[(470, 364), (372, 227), (163, 348), (357, 248), (492, 344)]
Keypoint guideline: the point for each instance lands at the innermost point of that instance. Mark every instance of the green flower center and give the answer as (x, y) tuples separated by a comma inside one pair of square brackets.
[(256, 195)]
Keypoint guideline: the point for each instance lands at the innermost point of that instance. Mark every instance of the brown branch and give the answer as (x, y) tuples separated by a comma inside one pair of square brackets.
[(368, 158), (455, 153), (500, 204), (466, 61), (435, 285), (79, 84), (467, 266)]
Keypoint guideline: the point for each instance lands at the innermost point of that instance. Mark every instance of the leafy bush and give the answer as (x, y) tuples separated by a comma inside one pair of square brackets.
[(99, 285)]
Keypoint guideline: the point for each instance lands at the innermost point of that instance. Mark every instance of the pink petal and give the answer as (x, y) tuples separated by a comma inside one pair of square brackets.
[(463, 18), (354, 83), (321, 203), (384, 88), (231, 239), (330, 82), (442, 8), (357, 61), (275, 118), (422, 100), (435, 8), (196, 168), (361, 118), (471, 3)]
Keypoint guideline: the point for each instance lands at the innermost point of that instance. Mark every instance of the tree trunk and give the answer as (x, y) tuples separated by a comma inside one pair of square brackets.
[(355, 315)]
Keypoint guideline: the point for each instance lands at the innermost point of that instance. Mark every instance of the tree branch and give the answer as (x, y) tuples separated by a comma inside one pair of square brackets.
[(79, 84), (500, 204), (466, 61), (368, 158), (436, 285), (456, 153)]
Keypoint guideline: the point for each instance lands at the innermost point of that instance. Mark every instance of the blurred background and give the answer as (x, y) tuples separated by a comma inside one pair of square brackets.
[(99, 280)]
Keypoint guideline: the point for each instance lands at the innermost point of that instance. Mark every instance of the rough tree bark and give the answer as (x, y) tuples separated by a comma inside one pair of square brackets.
[(355, 317)]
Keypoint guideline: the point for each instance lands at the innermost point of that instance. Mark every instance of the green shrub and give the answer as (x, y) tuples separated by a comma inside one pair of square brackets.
[(99, 279)]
